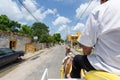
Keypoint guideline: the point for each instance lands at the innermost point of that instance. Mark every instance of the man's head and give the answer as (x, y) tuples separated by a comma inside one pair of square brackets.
[(102, 1)]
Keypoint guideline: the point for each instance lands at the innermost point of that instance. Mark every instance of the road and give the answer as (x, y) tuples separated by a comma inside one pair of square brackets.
[(33, 67)]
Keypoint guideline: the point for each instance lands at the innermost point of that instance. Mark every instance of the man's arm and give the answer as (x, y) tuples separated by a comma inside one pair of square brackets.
[(86, 50)]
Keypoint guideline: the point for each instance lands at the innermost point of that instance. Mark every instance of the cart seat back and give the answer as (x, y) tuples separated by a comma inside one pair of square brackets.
[(101, 75)]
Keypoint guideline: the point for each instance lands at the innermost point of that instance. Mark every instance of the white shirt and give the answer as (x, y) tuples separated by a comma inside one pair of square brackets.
[(103, 30)]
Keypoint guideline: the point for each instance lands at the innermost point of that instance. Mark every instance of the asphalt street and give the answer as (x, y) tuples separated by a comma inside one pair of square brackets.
[(34, 66)]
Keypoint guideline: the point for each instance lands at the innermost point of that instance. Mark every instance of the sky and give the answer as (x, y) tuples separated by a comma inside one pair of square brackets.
[(61, 16)]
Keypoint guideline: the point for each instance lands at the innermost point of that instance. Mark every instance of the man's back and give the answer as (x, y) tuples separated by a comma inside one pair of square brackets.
[(107, 48)]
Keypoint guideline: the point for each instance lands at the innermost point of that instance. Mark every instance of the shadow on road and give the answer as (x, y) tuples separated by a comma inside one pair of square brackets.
[(9, 67)]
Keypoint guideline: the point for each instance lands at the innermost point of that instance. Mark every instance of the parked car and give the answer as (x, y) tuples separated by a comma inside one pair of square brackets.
[(8, 55)]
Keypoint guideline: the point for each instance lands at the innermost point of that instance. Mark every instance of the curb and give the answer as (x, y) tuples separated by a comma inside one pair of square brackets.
[(29, 55)]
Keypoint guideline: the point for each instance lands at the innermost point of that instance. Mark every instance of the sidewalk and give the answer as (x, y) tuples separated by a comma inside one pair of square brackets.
[(36, 53), (30, 55)]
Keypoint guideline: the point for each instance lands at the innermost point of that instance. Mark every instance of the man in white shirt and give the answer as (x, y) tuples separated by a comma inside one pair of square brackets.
[(102, 32)]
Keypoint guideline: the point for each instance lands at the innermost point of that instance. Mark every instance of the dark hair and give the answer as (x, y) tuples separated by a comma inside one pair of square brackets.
[(105, 0)]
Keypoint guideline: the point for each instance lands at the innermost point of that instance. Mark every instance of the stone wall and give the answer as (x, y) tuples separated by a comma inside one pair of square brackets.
[(18, 42), (21, 42), (39, 46)]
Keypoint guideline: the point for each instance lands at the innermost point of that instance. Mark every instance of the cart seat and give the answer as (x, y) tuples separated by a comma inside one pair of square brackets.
[(101, 75)]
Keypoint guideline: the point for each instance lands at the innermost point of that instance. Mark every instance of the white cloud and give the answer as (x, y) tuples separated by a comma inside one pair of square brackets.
[(19, 13), (31, 6), (63, 27), (40, 13), (63, 31), (79, 27), (80, 10), (23, 23), (49, 11), (61, 21), (11, 9)]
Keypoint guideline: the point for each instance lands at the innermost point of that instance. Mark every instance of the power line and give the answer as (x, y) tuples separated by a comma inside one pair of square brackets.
[(84, 10), (28, 10)]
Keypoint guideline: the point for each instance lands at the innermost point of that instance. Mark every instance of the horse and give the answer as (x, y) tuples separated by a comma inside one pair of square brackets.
[(67, 62)]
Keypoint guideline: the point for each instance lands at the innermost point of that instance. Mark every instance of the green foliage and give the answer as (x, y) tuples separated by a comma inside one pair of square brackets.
[(42, 27), (26, 30), (15, 26), (40, 30), (62, 41), (44, 38), (4, 19), (4, 23), (57, 37), (8, 25), (37, 29), (4, 27), (51, 39)]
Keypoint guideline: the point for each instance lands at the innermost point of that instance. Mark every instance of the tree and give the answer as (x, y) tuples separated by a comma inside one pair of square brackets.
[(14, 26), (9, 25), (26, 30), (4, 27), (44, 38), (57, 37), (40, 30), (4, 20)]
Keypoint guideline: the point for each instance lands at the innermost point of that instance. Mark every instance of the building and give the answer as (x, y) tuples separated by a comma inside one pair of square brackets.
[(14, 41), (72, 39)]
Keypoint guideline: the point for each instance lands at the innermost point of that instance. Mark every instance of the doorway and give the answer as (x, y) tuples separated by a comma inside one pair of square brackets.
[(12, 44)]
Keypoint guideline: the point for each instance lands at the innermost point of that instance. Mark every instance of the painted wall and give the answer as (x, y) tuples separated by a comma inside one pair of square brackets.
[(18, 42)]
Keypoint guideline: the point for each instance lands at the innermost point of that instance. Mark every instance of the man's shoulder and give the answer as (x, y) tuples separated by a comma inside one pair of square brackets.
[(100, 8)]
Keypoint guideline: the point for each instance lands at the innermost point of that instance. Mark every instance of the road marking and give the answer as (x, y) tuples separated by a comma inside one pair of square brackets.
[(45, 75)]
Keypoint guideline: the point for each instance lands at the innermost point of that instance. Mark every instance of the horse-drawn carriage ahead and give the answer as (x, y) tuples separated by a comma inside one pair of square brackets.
[(66, 67)]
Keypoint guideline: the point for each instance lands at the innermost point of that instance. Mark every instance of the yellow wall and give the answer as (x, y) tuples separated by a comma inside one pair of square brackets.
[(69, 38), (78, 33), (73, 38)]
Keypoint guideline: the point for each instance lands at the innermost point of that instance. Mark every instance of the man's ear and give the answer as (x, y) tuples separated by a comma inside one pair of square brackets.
[(103, 1)]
